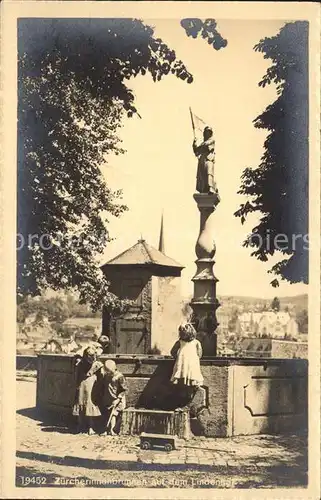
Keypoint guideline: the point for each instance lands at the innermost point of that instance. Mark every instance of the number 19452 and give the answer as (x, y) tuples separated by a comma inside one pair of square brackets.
[(32, 480)]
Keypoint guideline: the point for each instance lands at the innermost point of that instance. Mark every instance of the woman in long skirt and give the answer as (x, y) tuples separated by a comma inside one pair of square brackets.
[(88, 390)]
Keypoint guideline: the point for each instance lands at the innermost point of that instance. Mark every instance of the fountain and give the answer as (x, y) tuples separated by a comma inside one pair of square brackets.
[(239, 396)]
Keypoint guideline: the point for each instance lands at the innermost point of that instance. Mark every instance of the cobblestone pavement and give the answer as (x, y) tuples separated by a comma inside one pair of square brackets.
[(53, 456)]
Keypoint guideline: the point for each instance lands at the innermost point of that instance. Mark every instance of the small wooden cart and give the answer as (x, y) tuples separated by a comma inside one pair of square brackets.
[(164, 441)]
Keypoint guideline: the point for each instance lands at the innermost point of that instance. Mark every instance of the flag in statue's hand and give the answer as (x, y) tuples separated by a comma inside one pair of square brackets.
[(197, 123)]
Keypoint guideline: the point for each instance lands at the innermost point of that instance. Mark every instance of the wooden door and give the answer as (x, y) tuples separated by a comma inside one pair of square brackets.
[(131, 336)]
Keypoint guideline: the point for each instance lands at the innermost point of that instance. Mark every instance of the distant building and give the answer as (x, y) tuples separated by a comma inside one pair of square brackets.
[(226, 351), (268, 324), (59, 345), (29, 320), (223, 318), (32, 337), (151, 280), (83, 326), (244, 323), (36, 318), (22, 341), (292, 328), (53, 346)]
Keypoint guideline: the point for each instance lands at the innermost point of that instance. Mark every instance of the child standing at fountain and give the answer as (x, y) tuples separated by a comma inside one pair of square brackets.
[(114, 396), (88, 380), (187, 350)]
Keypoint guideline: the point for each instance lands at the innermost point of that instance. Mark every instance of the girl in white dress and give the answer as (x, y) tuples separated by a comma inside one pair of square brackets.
[(188, 352)]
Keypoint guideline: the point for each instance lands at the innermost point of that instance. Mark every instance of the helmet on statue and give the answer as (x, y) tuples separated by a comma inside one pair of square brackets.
[(207, 133)]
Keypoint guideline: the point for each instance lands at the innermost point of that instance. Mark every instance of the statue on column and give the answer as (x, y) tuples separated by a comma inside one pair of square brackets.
[(204, 302), (205, 152)]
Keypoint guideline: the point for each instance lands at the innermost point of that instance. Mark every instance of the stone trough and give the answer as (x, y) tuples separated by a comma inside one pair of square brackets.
[(138, 420)]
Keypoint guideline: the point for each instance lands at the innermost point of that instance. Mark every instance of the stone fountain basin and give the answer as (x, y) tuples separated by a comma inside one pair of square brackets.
[(243, 395)]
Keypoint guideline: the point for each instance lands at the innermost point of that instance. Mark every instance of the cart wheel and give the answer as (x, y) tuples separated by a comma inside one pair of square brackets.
[(168, 447), (145, 445)]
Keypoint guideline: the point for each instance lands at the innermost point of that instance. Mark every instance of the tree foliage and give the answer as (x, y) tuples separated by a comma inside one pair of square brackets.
[(275, 304), (195, 27), (55, 309), (73, 94), (232, 324), (302, 318), (278, 188)]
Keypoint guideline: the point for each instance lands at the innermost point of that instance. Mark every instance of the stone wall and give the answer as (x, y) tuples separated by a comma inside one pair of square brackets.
[(256, 347), (241, 396), (269, 397), (26, 362), (272, 348), (215, 419), (289, 349)]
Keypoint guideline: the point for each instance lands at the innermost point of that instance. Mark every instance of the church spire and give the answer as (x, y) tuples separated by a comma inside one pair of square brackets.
[(161, 246)]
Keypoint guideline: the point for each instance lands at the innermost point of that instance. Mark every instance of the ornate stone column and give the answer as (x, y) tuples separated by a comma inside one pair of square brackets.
[(204, 302)]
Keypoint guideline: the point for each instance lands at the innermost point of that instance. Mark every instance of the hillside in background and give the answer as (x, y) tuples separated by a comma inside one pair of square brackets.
[(59, 307), (55, 307), (231, 306), (298, 302)]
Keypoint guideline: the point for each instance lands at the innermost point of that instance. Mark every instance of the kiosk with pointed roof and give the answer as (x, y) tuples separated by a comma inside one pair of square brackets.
[(151, 280)]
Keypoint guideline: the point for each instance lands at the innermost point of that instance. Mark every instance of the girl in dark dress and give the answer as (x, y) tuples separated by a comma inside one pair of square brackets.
[(88, 383)]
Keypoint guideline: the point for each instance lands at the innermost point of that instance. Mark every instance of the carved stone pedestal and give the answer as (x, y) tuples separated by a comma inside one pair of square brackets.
[(204, 302)]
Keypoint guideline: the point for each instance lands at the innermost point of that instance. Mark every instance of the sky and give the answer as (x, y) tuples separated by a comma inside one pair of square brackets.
[(158, 171)]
